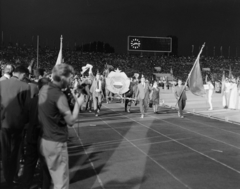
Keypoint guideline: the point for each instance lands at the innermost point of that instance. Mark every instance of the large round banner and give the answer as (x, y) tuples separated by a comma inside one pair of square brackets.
[(117, 82)]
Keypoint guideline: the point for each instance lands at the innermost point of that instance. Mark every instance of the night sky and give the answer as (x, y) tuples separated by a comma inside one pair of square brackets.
[(216, 22)]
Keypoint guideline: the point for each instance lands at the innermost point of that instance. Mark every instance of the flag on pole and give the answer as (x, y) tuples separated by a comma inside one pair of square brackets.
[(223, 83), (171, 71), (59, 59), (195, 82), (230, 72), (31, 66)]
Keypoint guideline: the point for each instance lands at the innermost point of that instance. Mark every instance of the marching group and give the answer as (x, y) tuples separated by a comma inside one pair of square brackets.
[(37, 111)]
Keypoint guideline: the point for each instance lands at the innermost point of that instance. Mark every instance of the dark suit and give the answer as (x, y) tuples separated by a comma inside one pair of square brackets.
[(143, 97), (34, 89), (96, 96), (181, 98), (15, 96), (130, 94)]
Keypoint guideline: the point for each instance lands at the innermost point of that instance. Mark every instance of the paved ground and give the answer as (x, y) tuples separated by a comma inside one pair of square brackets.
[(159, 151), (198, 105), (122, 151)]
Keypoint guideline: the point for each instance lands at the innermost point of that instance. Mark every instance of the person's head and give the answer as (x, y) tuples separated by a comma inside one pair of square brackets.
[(21, 72), (179, 82), (155, 84), (43, 81), (98, 76), (8, 69), (142, 80), (39, 73), (62, 74)]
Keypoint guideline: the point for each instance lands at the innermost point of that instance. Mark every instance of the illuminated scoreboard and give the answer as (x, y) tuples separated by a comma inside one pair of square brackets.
[(149, 44)]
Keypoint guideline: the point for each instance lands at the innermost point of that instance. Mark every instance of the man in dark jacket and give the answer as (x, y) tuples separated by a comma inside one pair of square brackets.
[(181, 97), (15, 97)]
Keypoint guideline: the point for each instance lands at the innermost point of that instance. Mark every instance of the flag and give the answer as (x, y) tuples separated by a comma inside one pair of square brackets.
[(195, 82), (230, 72), (31, 65), (223, 82), (59, 59)]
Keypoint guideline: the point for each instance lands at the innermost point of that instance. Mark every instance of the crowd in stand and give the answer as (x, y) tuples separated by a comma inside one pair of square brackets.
[(130, 64)]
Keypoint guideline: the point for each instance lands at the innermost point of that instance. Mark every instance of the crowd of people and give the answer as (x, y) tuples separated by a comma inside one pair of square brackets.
[(39, 104), (130, 64)]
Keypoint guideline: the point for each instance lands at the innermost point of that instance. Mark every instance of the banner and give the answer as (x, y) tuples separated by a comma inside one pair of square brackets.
[(117, 82), (206, 69), (195, 82)]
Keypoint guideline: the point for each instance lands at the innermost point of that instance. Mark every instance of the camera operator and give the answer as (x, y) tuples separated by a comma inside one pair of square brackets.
[(54, 116)]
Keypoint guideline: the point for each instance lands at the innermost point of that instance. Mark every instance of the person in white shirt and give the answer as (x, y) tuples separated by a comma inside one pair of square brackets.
[(209, 82), (7, 72), (227, 91), (233, 99)]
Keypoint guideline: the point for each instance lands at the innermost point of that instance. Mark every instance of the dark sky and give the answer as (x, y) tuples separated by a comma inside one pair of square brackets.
[(216, 22)]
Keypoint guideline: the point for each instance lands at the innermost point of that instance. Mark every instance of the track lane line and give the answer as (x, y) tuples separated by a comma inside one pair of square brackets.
[(223, 164), (90, 161), (177, 179), (184, 129)]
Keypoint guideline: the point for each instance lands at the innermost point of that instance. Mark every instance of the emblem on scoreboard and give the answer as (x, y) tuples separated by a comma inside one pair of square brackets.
[(135, 43)]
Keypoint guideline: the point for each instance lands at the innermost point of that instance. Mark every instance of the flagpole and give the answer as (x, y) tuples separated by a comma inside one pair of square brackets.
[(191, 71), (37, 49), (59, 59), (2, 39)]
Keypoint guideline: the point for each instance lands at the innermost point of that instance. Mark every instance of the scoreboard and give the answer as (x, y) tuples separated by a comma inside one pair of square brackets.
[(149, 44)]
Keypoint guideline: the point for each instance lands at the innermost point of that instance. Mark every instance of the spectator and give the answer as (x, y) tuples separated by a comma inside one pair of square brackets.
[(15, 97), (54, 116)]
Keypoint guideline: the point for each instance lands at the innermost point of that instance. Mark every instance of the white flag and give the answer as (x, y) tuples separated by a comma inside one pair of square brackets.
[(59, 59)]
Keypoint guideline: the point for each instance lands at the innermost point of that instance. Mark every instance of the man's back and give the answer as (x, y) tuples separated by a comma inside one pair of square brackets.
[(15, 96)]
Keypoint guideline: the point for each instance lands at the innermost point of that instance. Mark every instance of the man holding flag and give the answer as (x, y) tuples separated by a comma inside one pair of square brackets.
[(195, 85), (181, 97)]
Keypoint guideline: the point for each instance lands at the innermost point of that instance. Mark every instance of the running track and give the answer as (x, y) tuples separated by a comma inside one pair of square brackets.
[(118, 150)]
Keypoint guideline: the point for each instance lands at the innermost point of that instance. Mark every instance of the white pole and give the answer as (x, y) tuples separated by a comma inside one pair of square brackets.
[(2, 38), (37, 49), (229, 51)]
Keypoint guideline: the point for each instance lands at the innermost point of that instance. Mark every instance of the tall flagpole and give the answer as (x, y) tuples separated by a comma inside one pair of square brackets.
[(229, 50), (60, 59), (37, 49), (2, 38), (191, 71)]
